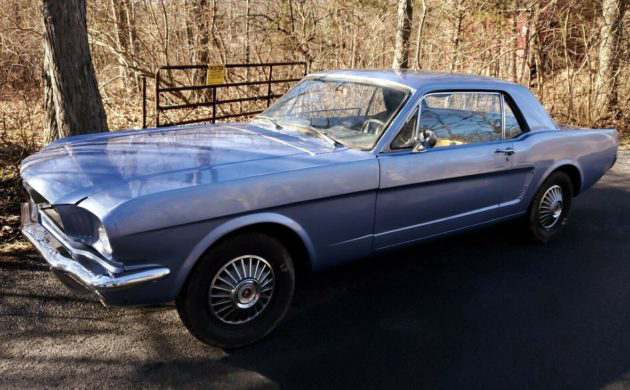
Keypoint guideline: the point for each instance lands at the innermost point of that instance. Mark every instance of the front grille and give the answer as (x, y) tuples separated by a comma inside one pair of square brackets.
[(39, 203)]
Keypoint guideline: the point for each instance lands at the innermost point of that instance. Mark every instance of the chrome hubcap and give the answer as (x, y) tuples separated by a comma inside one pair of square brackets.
[(550, 207), (242, 289)]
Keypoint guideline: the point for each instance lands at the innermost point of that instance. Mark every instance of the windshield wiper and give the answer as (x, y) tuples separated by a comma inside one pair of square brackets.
[(278, 126), (321, 134)]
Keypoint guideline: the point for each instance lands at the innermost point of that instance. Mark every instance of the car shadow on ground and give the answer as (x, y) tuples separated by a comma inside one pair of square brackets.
[(483, 310)]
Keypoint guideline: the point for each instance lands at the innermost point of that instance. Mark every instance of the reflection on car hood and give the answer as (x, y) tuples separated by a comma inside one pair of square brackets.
[(149, 161)]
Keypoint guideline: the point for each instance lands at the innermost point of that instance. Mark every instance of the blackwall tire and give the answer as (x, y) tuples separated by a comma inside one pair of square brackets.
[(238, 292), (549, 211)]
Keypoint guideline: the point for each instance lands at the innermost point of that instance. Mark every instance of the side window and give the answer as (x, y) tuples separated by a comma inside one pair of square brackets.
[(406, 136), (512, 127), (459, 118)]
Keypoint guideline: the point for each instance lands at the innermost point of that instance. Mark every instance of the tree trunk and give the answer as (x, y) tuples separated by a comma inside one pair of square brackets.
[(247, 46), (190, 35), (513, 55), (201, 19), (291, 16), (201, 52), (119, 16), (131, 26), (216, 39), (526, 49), (457, 9), (533, 47), (132, 47), (73, 102), (401, 51), (609, 53), (416, 60), (355, 32)]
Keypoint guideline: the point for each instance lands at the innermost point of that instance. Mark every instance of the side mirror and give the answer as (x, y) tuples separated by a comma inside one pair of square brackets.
[(427, 140)]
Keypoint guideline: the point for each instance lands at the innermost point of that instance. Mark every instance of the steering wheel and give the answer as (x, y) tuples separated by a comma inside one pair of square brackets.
[(368, 127)]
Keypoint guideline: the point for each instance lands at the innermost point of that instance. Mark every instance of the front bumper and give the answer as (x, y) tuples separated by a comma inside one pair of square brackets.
[(80, 266)]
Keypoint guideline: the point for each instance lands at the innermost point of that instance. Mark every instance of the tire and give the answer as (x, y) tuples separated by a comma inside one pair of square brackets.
[(228, 300), (548, 213)]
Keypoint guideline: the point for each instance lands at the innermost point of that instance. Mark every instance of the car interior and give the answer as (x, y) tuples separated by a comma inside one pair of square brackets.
[(453, 123)]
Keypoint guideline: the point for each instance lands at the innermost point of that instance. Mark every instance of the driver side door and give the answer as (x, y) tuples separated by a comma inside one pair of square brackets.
[(455, 184)]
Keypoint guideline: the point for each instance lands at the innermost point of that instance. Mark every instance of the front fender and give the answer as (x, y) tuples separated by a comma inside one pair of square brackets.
[(233, 225)]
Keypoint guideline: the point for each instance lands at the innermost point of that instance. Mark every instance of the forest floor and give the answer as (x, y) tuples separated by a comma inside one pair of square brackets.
[(482, 310), (11, 195)]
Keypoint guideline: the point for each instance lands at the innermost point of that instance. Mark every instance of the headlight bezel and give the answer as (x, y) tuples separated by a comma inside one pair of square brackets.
[(82, 226)]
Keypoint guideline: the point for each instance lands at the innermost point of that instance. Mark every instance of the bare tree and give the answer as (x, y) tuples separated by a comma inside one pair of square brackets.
[(120, 17), (291, 15), (72, 99), (570, 52), (458, 12), (403, 30), (609, 53), (247, 42), (514, 33), (421, 22), (202, 51)]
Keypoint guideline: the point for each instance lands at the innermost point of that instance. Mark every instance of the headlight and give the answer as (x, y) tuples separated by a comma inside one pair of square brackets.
[(83, 226), (102, 243)]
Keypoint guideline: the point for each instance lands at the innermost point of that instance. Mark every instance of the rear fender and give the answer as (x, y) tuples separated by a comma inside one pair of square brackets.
[(556, 166)]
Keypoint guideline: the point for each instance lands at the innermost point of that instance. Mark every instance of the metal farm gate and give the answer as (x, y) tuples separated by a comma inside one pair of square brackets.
[(239, 90)]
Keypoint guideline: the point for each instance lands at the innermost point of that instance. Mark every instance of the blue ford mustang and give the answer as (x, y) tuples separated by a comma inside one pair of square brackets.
[(345, 165)]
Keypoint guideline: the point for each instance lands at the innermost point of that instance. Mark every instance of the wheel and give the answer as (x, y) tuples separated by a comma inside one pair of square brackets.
[(238, 292), (548, 212)]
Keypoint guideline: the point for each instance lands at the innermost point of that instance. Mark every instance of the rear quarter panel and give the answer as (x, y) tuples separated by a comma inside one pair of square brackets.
[(592, 152)]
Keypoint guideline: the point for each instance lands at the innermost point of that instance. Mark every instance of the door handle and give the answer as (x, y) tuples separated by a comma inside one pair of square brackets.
[(506, 151)]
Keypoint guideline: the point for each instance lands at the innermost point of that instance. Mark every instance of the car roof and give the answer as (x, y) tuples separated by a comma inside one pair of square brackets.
[(415, 79), (421, 82)]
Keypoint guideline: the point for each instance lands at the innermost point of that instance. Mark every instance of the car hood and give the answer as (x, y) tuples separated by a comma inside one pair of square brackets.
[(143, 162)]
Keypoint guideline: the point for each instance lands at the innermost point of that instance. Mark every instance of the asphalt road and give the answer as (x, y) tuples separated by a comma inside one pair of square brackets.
[(484, 310)]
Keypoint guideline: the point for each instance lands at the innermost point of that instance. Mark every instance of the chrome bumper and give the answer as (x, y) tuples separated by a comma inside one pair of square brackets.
[(45, 243)]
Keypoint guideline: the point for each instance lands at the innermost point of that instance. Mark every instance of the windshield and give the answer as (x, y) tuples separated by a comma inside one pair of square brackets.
[(351, 113)]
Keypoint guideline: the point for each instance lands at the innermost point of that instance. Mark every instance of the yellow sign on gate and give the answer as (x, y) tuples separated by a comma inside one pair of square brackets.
[(216, 74)]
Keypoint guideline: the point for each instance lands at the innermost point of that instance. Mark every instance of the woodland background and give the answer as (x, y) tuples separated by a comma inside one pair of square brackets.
[(573, 54)]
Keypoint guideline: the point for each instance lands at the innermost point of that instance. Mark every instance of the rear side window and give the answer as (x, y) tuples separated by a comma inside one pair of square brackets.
[(459, 118), (512, 127)]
